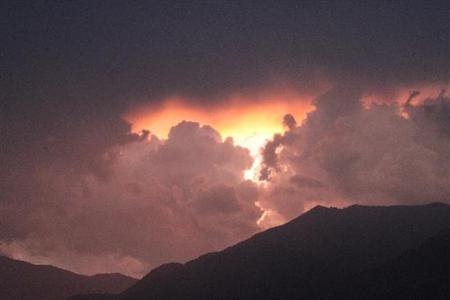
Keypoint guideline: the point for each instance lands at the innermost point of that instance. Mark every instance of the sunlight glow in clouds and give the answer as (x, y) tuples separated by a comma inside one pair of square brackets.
[(250, 124)]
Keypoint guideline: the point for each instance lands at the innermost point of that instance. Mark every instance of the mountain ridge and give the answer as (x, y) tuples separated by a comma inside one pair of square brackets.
[(21, 280), (319, 247)]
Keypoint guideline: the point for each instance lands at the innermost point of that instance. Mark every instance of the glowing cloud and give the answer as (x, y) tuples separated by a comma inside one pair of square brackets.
[(249, 123)]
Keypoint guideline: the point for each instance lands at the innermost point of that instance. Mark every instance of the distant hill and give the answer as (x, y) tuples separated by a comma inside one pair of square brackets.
[(326, 253), (20, 280)]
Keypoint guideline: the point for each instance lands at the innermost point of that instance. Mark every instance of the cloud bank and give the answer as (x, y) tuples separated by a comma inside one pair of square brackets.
[(345, 153), (105, 200), (155, 201)]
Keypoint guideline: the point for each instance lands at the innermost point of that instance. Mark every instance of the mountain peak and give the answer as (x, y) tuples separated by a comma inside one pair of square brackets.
[(164, 270), (319, 208)]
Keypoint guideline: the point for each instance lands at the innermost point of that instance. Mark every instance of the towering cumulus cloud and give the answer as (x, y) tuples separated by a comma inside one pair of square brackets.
[(347, 153), (159, 201)]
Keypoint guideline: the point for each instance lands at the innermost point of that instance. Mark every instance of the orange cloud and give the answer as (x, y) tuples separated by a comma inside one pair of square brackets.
[(248, 122)]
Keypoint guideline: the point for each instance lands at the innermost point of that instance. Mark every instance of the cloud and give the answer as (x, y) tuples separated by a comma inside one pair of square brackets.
[(345, 153), (77, 186), (162, 200)]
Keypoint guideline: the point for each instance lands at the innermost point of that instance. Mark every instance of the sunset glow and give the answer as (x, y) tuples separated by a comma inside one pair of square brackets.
[(250, 125)]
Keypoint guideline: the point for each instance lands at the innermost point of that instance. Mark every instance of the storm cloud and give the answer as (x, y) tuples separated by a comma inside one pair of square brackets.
[(346, 153), (160, 201)]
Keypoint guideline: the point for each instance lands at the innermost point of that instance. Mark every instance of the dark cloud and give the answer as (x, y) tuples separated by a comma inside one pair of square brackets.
[(289, 121), (344, 153), (161, 201), (122, 52)]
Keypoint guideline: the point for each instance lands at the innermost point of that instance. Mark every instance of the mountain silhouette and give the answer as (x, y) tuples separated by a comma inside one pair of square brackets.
[(326, 253), (421, 273), (20, 280)]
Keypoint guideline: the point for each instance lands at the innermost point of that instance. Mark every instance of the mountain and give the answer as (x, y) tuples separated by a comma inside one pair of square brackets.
[(326, 253), (20, 280), (420, 273)]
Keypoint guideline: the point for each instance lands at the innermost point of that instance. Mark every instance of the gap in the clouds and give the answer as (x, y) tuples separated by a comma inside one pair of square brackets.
[(254, 144)]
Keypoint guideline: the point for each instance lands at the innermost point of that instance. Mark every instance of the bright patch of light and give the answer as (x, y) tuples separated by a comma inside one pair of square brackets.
[(254, 143), (249, 123)]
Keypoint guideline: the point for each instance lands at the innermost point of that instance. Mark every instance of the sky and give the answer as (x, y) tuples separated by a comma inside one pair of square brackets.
[(135, 133)]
